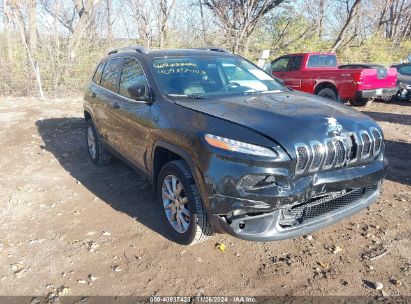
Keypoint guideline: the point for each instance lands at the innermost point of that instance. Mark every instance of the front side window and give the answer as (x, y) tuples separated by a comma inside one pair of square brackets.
[(295, 63), (405, 70), (321, 61), (280, 65), (132, 74), (111, 73), (204, 76)]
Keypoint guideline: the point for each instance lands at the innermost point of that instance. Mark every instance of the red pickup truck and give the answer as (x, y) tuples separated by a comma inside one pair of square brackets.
[(319, 73)]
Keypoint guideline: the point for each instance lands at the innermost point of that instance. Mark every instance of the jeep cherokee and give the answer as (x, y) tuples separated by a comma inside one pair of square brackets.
[(227, 148)]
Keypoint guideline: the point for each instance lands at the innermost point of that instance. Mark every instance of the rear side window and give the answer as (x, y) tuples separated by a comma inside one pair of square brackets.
[(405, 70), (98, 73), (319, 61), (131, 74), (280, 65), (111, 73), (295, 63)]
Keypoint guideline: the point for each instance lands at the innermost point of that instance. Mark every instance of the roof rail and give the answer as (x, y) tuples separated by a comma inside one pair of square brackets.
[(136, 48), (214, 49)]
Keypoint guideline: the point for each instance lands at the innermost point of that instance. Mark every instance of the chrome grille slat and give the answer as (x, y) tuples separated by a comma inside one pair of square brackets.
[(340, 152), (377, 138), (317, 151), (303, 157), (330, 154), (366, 144)]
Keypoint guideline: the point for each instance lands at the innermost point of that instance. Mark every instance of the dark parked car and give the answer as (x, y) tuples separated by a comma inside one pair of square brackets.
[(227, 148), (404, 81)]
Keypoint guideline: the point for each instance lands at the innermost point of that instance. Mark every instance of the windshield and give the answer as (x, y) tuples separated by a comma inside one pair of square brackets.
[(210, 76)]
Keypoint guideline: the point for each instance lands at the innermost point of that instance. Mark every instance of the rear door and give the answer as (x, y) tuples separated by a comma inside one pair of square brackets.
[(288, 68), (108, 98)]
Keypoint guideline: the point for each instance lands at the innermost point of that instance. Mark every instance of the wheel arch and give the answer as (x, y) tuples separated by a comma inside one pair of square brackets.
[(165, 147), (325, 84), (164, 152)]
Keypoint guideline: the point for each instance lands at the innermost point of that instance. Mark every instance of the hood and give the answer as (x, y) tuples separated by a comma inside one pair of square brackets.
[(286, 117)]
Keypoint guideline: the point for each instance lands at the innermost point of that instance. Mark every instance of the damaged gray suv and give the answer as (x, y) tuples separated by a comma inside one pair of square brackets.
[(228, 148)]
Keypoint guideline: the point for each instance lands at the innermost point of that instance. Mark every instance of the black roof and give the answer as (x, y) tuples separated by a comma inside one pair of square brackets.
[(142, 52)]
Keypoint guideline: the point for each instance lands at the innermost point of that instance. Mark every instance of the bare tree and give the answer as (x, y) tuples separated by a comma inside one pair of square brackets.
[(350, 19), (165, 12), (394, 19), (32, 27), (15, 10), (7, 27), (110, 22), (84, 10), (143, 14), (239, 18)]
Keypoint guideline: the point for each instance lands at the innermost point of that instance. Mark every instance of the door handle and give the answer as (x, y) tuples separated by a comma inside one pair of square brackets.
[(93, 95), (115, 105)]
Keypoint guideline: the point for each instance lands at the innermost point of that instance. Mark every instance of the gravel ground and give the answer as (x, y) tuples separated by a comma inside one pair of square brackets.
[(69, 227)]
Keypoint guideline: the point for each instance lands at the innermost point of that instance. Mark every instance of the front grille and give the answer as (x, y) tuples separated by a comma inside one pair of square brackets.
[(338, 151), (324, 205)]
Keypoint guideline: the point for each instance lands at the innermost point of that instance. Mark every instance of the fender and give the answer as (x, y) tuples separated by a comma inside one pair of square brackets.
[(198, 177)]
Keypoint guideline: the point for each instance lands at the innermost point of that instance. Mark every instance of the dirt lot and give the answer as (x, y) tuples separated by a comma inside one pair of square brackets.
[(97, 231)]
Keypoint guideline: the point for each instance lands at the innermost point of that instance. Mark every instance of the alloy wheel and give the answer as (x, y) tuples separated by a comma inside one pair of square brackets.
[(175, 203), (91, 142)]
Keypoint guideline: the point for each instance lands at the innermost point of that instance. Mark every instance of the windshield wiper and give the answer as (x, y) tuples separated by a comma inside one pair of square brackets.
[(261, 92), (196, 96)]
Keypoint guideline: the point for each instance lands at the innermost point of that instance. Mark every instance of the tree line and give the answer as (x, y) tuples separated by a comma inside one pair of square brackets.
[(49, 47)]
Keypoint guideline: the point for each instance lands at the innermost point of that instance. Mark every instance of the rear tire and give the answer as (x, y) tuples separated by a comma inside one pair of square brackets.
[(196, 226), (329, 93), (362, 102), (96, 150)]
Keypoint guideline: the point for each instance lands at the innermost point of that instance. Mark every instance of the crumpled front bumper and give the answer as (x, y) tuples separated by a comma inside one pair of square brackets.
[(266, 227), (259, 212)]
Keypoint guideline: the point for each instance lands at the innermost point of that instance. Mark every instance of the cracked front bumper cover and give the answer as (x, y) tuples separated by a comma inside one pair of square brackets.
[(267, 226)]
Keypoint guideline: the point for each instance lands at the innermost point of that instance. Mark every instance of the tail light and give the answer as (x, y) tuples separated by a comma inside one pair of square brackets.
[(358, 77)]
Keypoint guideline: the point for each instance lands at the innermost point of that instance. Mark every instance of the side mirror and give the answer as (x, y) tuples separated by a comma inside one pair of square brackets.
[(138, 92)]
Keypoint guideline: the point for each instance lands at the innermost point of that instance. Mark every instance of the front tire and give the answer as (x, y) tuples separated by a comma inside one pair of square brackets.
[(183, 212), (96, 150)]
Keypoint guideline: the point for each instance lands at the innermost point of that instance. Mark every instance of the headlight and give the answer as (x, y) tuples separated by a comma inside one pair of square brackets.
[(239, 146)]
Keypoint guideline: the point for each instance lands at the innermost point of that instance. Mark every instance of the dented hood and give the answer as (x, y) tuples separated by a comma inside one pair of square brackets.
[(285, 117)]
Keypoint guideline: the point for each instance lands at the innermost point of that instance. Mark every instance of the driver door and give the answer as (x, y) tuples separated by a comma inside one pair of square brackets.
[(288, 68), (132, 117)]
